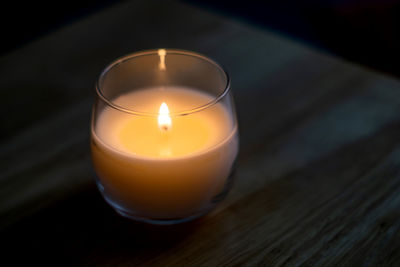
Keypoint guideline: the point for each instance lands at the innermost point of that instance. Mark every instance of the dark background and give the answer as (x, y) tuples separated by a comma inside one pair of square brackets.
[(366, 31)]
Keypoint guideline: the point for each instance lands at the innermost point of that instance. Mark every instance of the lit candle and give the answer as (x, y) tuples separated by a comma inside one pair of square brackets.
[(164, 135), (165, 166)]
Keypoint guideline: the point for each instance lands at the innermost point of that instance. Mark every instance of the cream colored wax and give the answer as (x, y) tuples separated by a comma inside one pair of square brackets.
[(168, 172)]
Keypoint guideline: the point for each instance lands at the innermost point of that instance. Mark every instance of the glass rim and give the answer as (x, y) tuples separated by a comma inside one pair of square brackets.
[(130, 56)]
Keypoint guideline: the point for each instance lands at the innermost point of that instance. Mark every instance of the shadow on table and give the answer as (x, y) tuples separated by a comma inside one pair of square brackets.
[(83, 229)]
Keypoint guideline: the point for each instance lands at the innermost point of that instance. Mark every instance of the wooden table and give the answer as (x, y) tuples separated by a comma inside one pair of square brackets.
[(318, 175)]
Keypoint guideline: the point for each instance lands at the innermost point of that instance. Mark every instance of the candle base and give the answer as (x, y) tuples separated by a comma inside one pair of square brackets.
[(163, 221), (169, 221), (160, 221)]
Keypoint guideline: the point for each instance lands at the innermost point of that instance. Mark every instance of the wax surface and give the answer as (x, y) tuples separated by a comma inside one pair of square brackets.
[(141, 135)]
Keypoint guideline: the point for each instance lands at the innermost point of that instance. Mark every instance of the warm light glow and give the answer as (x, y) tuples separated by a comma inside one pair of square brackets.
[(164, 120), (162, 53)]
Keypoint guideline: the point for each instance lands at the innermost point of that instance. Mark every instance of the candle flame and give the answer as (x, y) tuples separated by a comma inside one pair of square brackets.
[(162, 53), (164, 120)]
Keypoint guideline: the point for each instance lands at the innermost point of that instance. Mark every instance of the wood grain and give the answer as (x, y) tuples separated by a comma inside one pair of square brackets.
[(318, 175)]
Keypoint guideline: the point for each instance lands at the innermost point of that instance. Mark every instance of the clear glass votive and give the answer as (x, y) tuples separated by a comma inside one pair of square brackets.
[(164, 135)]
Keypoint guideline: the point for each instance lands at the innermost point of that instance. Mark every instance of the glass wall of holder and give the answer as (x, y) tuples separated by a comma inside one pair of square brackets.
[(164, 135)]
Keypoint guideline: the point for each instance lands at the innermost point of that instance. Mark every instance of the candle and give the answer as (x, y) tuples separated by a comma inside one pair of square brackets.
[(164, 135), (164, 167)]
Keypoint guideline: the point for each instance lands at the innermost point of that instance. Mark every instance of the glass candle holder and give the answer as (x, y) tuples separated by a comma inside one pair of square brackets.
[(164, 135)]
